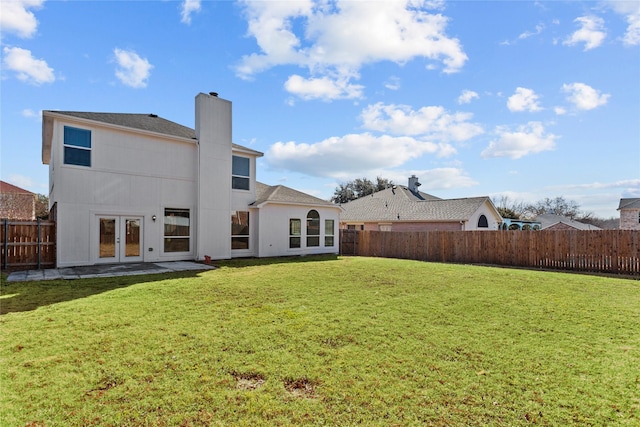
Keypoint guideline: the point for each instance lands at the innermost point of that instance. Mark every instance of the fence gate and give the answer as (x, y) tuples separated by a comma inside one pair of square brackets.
[(27, 244)]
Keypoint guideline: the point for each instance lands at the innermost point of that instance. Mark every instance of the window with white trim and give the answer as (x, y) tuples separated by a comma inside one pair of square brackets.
[(239, 230), (295, 231), (77, 146), (328, 232), (240, 173), (313, 228), (177, 230)]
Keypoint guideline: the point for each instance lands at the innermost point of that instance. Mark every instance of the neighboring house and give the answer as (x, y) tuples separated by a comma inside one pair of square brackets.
[(559, 222), (16, 202), (400, 208), (139, 188), (629, 214)]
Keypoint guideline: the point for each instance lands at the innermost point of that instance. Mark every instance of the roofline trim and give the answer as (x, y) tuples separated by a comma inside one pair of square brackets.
[(118, 127)]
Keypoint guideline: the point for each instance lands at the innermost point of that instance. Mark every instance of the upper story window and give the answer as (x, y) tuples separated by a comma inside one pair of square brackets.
[(240, 172), (482, 222), (77, 146)]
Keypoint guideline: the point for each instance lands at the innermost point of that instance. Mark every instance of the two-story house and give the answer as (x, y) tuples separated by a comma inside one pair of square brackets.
[(139, 188)]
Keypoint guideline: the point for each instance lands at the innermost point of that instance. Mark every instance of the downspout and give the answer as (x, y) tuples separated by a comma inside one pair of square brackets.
[(197, 230)]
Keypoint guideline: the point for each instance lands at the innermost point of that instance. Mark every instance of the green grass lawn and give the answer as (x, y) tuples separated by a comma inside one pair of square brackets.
[(322, 341)]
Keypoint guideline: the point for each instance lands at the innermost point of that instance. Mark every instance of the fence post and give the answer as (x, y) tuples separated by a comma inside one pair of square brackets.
[(5, 243), (39, 247)]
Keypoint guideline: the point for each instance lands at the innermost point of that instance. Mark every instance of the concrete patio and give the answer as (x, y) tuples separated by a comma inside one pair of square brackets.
[(106, 270)]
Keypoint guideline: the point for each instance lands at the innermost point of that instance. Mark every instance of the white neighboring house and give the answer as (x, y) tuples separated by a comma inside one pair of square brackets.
[(139, 188)]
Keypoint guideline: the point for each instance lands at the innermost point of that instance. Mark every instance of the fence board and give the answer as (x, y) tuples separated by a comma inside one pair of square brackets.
[(27, 244), (605, 251)]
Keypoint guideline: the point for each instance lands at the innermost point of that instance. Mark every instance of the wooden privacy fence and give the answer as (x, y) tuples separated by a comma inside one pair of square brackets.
[(607, 251), (27, 244)]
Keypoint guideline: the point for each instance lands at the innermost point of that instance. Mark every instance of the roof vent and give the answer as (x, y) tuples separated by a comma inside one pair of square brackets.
[(213, 94), (153, 115)]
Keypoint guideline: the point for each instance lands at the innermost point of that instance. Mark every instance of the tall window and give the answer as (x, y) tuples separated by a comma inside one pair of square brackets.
[(313, 228), (239, 230), (240, 173), (328, 232), (176, 230), (77, 146), (482, 222), (295, 230)]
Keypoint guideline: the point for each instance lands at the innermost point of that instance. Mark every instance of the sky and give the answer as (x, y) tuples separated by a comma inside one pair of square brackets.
[(523, 99)]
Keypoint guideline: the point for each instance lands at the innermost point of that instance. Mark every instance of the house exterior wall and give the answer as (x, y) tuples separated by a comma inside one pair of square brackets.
[(273, 230), (492, 220), (426, 226), (130, 175), (630, 219)]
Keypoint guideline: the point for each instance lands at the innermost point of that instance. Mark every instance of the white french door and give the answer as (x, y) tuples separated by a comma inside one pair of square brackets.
[(120, 238)]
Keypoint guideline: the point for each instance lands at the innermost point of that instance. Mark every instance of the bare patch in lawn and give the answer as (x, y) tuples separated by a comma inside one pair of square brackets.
[(248, 380), (301, 387)]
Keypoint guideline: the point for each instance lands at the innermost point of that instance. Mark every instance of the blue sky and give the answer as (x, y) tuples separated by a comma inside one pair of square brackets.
[(523, 99)]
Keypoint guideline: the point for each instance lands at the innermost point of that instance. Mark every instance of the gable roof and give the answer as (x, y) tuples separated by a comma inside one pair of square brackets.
[(549, 220), (285, 195), (630, 203), (5, 188), (144, 122), (148, 122), (401, 204)]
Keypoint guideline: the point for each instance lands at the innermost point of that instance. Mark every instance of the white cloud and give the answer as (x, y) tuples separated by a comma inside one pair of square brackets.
[(433, 122), (442, 179), (527, 34), (560, 111), (323, 88), (16, 18), (523, 100), (349, 155), (591, 32), (188, 8), (584, 97), (336, 39), (27, 68), (527, 139), (467, 96), (631, 11), (30, 114), (393, 83), (132, 70)]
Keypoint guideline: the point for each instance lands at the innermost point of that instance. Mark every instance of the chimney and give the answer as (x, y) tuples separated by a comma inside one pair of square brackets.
[(413, 183)]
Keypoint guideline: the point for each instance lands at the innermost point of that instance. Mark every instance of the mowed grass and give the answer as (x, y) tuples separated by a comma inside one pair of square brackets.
[(323, 341)]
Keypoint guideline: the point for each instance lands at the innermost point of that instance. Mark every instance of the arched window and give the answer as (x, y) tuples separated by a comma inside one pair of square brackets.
[(313, 228), (482, 222)]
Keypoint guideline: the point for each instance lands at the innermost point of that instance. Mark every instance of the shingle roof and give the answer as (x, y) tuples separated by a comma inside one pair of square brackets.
[(281, 194), (146, 122), (5, 187), (631, 203), (548, 220), (400, 204)]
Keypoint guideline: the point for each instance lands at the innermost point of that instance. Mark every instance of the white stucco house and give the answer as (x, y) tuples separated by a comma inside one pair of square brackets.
[(139, 188)]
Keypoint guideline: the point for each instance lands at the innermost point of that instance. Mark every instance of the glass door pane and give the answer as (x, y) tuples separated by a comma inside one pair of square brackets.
[(132, 238), (107, 237)]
